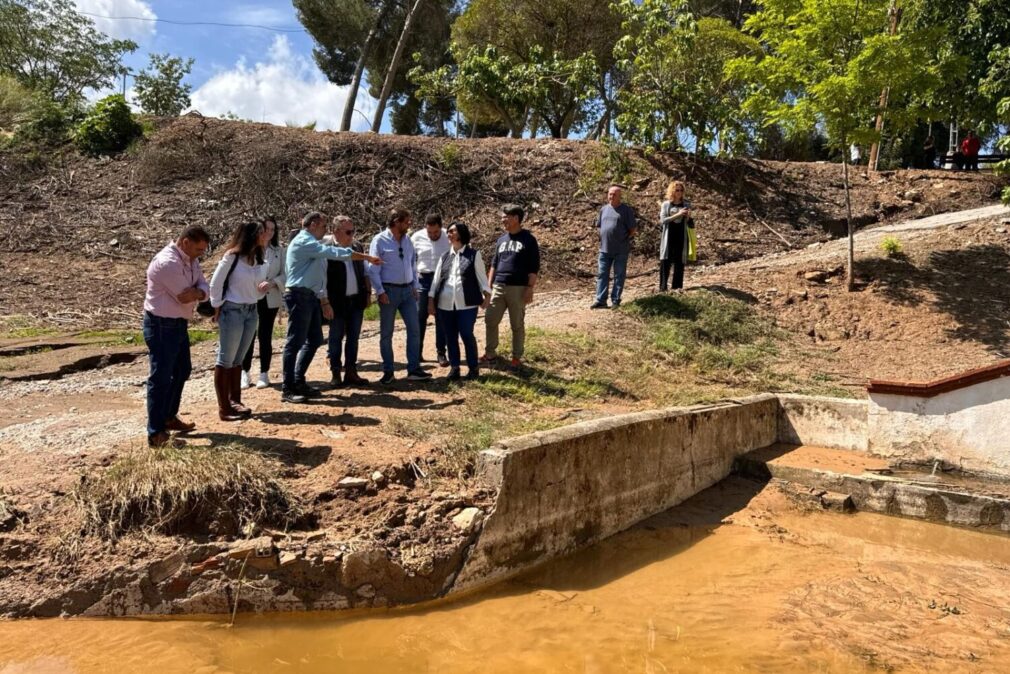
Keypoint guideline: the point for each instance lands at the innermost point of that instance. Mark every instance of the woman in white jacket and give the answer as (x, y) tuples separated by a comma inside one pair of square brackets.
[(269, 304)]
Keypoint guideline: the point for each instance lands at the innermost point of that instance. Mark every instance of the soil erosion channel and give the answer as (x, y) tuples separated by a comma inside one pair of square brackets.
[(736, 579)]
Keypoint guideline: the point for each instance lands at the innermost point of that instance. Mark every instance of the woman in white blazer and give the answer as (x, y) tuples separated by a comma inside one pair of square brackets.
[(268, 306)]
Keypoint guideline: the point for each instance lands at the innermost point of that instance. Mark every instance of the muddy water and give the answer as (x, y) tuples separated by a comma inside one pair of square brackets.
[(734, 581)]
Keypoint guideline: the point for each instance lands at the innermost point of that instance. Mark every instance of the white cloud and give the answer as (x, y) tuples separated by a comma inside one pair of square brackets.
[(287, 87), (261, 16), (121, 29)]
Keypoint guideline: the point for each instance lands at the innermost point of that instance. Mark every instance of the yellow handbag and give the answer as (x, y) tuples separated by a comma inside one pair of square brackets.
[(692, 243)]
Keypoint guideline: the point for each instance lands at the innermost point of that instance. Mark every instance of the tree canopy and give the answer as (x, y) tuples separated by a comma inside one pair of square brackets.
[(159, 88), (49, 47)]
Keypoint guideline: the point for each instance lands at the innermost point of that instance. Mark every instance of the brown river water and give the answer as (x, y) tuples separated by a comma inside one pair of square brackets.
[(736, 580)]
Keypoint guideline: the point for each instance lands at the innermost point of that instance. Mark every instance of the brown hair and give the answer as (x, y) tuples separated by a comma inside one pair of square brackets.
[(395, 215), (245, 242), (195, 233), (674, 184)]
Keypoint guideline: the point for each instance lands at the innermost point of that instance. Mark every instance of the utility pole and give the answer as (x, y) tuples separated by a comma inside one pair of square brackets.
[(894, 14)]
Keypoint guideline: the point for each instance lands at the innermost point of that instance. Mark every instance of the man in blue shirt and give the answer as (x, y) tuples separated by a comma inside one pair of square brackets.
[(616, 222), (307, 303), (397, 288)]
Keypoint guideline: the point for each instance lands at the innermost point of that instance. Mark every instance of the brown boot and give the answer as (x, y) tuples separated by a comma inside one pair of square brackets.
[(235, 392), (351, 377), (222, 387)]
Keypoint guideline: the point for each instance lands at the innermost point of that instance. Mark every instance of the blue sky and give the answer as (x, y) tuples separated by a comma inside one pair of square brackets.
[(257, 74)]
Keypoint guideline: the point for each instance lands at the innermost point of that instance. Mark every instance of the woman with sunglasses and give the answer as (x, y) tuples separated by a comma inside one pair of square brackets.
[(269, 304), (460, 286), (675, 218)]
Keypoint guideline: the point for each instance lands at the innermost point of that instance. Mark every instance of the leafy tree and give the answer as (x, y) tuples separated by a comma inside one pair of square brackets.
[(159, 89), (50, 47), (109, 128), (680, 76), (826, 63), (562, 40), (345, 34), (654, 100)]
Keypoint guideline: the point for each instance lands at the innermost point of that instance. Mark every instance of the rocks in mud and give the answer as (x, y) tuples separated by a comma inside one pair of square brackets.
[(466, 519), (353, 483), (378, 478), (816, 276)]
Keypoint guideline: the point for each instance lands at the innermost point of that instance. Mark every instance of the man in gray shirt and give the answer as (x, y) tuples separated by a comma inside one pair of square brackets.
[(616, 222)]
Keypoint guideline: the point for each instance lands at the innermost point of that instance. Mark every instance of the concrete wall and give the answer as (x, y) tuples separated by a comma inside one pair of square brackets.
[(567, 488), (967, 427), (837, 423)]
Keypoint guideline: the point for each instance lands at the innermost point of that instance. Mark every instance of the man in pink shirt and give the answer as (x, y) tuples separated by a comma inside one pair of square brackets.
[(175, 283)]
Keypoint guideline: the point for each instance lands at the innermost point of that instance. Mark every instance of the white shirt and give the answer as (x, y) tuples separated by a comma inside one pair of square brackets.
[(352, 278), (452, 297), (429, 252), (242, 284)]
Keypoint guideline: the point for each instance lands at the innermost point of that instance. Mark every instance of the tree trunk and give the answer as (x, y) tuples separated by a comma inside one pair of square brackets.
[(359, 68), (394, 65), (850, 279), (895, 17)]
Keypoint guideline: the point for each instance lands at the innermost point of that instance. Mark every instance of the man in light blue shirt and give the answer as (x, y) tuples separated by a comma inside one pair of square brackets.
[(397, 288), (307, 303)]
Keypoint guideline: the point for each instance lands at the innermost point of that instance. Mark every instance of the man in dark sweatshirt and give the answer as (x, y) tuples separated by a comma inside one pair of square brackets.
[(513, 275)]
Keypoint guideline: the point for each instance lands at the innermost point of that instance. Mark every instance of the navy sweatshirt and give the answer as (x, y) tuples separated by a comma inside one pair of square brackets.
[(516, 256)]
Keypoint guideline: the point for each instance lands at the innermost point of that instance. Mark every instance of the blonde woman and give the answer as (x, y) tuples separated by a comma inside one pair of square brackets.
[(675, 218)]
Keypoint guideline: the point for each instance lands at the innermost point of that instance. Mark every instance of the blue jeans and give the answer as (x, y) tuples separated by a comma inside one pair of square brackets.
[(168, 346), (400, 299), (236, 325), (422, 316), (305, 334), (459, 325), (346, 329), (620, 265)]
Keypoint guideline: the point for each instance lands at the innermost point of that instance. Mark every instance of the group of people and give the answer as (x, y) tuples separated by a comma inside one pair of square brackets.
[(617, 228), (324, 276)]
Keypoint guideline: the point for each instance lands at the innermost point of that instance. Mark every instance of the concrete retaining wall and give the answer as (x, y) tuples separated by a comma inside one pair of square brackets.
[(837, 423), (563, 489), (967, 427)]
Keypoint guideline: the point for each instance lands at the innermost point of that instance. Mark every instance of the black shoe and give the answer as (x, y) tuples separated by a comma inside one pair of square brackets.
[(387, 378), (292, 397), (453, 374), (443, 361), (335, 381), (616, 304), (307, 391), (473, 374), (418, 375), (597, 305)]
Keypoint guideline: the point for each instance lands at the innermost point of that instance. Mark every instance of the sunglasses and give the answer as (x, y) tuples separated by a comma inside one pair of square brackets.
[(401, 252), (348, 231)]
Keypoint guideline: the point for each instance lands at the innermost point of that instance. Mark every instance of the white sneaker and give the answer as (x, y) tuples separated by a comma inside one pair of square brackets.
[(264, 380), (245, 380)]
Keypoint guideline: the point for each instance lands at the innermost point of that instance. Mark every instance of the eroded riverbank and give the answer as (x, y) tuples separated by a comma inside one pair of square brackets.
[(736, 579)]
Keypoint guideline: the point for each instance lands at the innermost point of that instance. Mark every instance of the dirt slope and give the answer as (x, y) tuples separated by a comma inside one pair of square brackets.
[(77, 233)]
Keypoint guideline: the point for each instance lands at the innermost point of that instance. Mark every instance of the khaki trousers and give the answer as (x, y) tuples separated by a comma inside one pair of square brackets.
[(506, 297)]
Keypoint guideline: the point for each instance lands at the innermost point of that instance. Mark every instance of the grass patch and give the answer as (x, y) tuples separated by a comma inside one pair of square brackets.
[(372, 312), (226, 490), (23, 327)]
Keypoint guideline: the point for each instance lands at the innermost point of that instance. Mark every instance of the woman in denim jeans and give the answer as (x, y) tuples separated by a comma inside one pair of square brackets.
[(235, 288)]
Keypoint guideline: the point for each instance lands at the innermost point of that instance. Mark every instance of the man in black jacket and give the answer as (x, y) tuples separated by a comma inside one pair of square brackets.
[(350, 294)]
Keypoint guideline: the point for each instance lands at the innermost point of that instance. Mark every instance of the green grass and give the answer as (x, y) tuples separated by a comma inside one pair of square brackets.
[(115, 337), (372, 312), (23, 327)]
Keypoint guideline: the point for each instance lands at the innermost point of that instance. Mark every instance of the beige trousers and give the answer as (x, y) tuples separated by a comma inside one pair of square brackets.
[(506, 297)]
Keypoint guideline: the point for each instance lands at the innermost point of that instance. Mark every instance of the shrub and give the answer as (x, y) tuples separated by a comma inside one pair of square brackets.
[(38, 120), (890, 246), (109, 128), (15, 102)]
